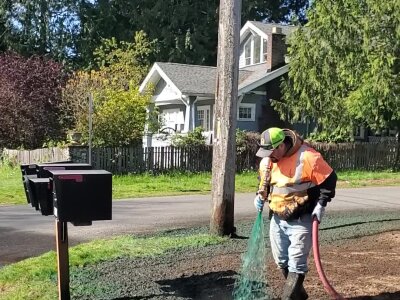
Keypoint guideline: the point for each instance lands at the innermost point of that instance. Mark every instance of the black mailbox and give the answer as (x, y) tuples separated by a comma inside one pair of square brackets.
[(30, 198), (42, 199), (81, 196), (28, 171), (43, 170)]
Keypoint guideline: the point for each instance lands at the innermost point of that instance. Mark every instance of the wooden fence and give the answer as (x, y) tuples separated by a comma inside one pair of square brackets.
[(359, 156), (152, 159), (122, 160), (17, 157)]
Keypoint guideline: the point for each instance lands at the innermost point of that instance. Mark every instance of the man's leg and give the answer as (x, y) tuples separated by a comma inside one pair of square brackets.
[(279, 242), (299, 232)]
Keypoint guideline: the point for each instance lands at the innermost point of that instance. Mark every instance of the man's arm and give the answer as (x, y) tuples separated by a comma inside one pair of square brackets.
[(327, 189)]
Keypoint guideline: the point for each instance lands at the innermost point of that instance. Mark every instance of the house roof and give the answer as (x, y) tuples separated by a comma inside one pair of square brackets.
[(194, 80), (266, 28), (263, 29)]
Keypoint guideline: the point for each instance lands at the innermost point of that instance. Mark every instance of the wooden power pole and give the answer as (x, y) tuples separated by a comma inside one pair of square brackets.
[(226, 95)]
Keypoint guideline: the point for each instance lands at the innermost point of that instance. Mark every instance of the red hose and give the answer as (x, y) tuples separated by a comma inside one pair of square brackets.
[(328, 287)]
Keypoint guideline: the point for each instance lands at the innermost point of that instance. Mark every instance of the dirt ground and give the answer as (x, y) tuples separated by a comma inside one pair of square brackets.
[(365, 268), (362, 268)]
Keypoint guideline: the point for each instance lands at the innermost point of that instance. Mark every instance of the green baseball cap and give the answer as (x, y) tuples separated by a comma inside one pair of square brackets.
[(270, 140)]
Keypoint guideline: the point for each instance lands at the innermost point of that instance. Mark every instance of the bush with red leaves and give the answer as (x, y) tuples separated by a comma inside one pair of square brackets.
[(30, 94)]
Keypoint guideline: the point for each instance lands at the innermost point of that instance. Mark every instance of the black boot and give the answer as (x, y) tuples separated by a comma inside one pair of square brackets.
[(293, 289)]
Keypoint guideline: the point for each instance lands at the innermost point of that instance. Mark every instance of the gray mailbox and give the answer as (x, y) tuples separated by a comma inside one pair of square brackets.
[(81, 196)]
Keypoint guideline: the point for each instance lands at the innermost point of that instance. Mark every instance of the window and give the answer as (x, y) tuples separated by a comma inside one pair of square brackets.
[(203, 117), (257, 49), (265, 50), (247, 52), (254, 50), (246, 112)]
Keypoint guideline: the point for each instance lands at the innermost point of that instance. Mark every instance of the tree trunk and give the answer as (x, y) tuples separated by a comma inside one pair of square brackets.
[(226, 95)]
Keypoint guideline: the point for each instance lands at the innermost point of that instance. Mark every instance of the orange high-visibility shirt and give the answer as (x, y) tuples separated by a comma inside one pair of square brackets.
[(292, 176)]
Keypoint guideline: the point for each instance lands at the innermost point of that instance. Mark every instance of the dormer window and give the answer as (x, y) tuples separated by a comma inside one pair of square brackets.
[(265, 48), (254, 50), (247, 52)]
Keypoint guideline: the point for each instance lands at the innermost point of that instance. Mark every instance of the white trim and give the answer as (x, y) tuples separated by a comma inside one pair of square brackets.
[(155, 74), (268, 77), (253, 111), (205, 108), (249, 26)]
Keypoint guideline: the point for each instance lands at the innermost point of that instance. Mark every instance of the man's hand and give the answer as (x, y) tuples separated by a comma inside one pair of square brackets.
[(318, 212), (258, 203)]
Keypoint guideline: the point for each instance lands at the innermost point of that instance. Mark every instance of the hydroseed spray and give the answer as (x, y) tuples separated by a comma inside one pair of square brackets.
[(252, 282)]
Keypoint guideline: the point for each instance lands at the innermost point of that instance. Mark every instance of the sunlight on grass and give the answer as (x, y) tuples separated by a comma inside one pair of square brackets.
[(178, 183), (36, 278)]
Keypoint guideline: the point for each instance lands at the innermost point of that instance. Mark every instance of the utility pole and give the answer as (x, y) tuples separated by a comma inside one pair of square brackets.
[(226, 95)]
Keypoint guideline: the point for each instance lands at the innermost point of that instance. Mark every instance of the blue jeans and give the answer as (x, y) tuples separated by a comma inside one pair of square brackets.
[(291, 242)]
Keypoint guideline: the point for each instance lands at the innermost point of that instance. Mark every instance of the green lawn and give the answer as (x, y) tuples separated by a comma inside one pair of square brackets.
[(134, 186), (35, 278)]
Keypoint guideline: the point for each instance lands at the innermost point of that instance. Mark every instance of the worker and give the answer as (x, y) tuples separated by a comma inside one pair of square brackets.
[(297, 183)]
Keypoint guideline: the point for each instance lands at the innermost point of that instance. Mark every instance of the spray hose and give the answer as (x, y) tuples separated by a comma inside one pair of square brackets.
[(328, 287)]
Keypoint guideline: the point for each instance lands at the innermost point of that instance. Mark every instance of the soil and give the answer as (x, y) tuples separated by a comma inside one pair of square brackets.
[(365, 267)]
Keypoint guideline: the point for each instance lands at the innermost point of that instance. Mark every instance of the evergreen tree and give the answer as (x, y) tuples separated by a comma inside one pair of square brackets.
[(344, 67)]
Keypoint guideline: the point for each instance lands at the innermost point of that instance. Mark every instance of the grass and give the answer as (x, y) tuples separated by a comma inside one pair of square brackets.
[(36, 278), (147, 185)]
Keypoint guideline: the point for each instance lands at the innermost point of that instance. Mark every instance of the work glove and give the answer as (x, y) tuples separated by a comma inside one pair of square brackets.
[(318, 212), (258, 203)]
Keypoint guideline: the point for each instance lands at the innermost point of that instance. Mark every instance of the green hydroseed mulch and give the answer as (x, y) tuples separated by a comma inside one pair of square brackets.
[(252, 282), (149, 276)]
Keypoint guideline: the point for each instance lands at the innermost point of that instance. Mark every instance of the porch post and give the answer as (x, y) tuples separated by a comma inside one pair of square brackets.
[(189, 114)]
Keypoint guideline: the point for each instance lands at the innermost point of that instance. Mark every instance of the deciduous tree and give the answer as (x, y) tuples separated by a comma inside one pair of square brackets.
[(30, 95), (119, 114)]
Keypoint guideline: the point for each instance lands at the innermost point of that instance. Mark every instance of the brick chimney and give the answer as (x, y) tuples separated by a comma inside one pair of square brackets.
[(276, 49)]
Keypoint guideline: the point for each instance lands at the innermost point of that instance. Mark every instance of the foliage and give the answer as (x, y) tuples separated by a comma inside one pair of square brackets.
[(30, 96), (344, 67), (120, 118), (119, 110), (70, 30), (246, 140), (154, 120), (40, 27), (192, 139)]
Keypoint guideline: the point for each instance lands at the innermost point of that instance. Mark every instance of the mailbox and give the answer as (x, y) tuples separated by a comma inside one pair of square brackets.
[(28, 171), (81, 196), (43, 170), (41, 195)]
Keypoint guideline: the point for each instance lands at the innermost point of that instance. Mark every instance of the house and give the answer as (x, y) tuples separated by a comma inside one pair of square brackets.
[(184, 94)]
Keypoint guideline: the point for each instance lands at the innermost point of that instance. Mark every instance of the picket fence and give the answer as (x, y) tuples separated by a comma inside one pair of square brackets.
[(123, 160)]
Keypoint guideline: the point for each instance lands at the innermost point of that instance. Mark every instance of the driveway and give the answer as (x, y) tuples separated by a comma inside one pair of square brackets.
[(25, 233)]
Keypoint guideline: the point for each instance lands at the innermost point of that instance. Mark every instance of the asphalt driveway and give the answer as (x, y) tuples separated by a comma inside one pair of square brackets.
[(24, 232)]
